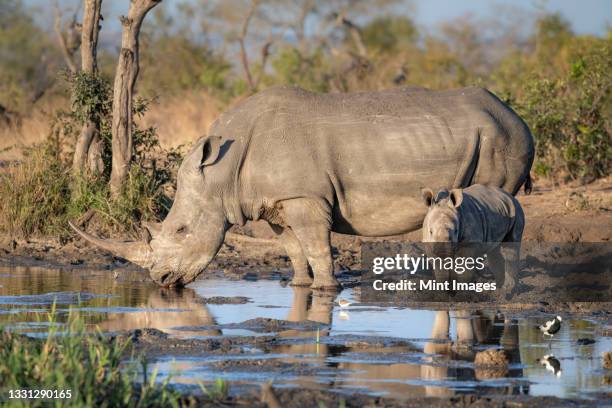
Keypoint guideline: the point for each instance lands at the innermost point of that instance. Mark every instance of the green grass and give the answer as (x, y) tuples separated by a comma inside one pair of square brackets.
[(41, 196), (87, 364), (219, 391)]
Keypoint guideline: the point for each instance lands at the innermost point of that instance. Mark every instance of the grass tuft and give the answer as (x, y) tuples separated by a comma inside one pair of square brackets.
[(87, 364)]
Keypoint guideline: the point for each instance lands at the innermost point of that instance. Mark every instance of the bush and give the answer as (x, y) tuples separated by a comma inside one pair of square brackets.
[(570, 114)]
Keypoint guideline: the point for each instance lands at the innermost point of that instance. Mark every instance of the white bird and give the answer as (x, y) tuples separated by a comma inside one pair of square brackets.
[(551, 327), (552, 364), (344, 303)]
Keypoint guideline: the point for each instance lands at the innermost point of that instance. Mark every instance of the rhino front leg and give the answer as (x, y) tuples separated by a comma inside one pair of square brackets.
[(309, 219), (302, 274)]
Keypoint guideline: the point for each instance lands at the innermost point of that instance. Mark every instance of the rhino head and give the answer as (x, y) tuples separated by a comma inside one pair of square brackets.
[(441, 223), (178, 249)]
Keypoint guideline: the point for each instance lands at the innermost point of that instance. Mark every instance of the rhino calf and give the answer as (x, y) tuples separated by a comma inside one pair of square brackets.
[(480, 214)]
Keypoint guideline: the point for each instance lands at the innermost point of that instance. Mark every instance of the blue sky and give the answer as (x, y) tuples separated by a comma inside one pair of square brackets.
[(586, 16)]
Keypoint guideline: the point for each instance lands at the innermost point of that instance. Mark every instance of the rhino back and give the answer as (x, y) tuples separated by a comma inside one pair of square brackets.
[(487, 213)]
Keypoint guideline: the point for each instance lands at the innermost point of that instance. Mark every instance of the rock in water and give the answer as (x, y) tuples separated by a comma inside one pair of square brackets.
[(492, 357), (491, 363)]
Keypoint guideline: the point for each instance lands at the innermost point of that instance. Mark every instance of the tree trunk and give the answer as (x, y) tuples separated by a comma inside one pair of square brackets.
[(88, 149), (123, 89)]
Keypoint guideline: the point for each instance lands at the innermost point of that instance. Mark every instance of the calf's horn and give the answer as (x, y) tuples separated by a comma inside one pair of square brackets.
[(134, 251)]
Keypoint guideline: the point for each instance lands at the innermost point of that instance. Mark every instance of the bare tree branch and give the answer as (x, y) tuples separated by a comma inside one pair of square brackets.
[(241, 41), (354, 31), (67, 49), (265, 53)]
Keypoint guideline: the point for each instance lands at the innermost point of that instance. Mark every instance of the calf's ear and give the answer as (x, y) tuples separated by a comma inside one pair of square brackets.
[(427, 195), (456, 197), (210, 150)]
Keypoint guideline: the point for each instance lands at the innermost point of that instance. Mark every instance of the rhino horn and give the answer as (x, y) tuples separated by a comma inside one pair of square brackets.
[(137, 252)]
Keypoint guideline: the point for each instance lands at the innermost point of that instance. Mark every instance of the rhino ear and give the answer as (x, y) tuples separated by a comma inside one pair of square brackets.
[(427, 195), (210, 150), (456, 197)]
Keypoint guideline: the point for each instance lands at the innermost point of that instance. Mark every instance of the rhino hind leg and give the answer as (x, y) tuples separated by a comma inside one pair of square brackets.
[(302, 273), (310, 221)]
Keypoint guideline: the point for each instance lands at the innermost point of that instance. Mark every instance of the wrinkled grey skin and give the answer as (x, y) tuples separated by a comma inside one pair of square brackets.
[(311, 163), (476, 214)]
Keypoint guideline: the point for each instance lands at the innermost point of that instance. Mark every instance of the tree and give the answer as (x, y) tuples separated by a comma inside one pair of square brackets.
[(123, 90), (89, 144)]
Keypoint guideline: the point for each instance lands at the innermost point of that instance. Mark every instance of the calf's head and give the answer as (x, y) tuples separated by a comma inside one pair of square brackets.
[(178, 249), (441, 222)]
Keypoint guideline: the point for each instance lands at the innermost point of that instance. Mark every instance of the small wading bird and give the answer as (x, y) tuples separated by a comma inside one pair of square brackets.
[(551, 327), (344, 303), (552, 364)]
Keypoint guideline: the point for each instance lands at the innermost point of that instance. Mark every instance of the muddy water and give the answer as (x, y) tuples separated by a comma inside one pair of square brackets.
[(395, 352)]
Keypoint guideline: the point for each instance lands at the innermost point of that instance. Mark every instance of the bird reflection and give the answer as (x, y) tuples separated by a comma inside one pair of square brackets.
[(552, 364)]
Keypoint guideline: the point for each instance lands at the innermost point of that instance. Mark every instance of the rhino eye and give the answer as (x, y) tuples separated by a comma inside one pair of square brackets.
[(181, 230)]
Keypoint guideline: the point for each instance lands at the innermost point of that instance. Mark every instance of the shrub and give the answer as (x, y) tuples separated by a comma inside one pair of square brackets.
[(570, 115)]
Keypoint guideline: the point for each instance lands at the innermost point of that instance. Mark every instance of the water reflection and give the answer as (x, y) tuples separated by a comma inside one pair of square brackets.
[(165, 309), (379, 350)]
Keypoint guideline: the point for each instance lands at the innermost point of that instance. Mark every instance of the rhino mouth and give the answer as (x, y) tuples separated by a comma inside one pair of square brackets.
[(175, 280)]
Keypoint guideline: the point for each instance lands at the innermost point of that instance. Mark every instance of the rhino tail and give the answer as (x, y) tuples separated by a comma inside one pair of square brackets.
[(528, 186)]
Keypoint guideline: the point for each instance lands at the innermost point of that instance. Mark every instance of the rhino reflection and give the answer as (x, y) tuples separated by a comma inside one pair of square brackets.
[(318, 307), (165, 309), (470, 329), (313, 306)]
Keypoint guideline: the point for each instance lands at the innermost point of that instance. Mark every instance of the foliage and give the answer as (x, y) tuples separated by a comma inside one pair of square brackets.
[(389, 33), (88, 365), (188, 65), (295, 68), (27, 57), (568, 108)]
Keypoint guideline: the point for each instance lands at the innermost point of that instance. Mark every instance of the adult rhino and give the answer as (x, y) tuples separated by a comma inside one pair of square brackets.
[(309, 163)]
